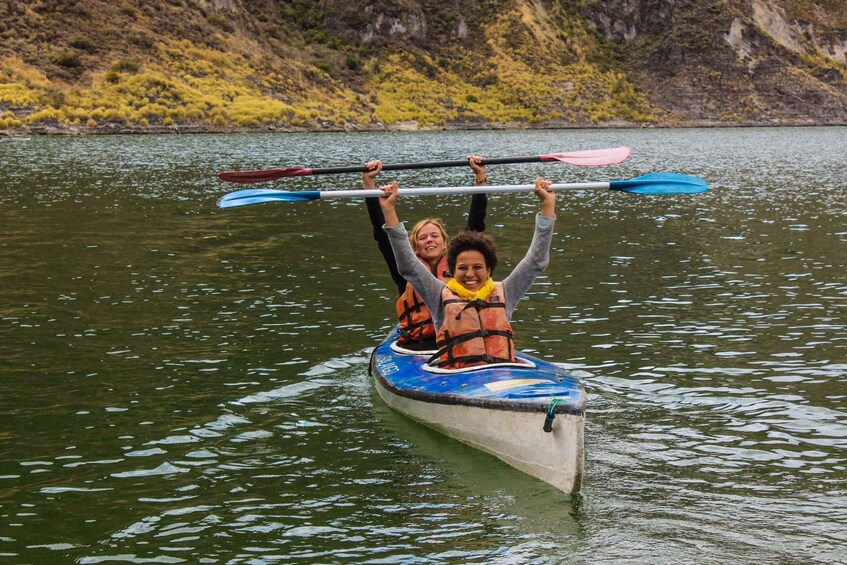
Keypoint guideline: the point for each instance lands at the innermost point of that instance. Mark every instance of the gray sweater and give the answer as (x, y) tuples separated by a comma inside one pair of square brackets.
[(514, 286)]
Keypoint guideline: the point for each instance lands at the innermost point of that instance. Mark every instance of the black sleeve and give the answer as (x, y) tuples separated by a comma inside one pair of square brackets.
[(476, 213), (381, 238)]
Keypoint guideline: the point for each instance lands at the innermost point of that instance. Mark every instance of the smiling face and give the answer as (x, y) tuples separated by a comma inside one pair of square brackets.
[(471, 270), (429, 243)]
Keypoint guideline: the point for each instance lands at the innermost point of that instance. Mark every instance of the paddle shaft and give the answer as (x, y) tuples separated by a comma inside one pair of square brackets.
[(496, 189), (274, 174), (429, 165)]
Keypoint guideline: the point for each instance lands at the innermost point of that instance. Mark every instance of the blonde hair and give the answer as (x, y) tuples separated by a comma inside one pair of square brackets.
[(413, 235)]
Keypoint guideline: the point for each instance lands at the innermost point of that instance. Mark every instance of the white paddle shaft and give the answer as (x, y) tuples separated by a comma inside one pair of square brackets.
[(502, 188)]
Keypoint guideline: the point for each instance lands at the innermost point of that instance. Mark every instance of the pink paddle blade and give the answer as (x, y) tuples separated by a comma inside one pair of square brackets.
[(594, 157)]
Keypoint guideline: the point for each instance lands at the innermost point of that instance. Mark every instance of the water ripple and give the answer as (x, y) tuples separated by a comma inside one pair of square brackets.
[(184, 383)]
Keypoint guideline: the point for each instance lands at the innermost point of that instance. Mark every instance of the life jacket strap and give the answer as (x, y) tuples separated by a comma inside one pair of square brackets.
[(408, 310), (448, 343), (411, 332), (477, 304)]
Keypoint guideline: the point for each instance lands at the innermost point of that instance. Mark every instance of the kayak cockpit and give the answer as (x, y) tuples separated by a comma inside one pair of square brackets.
[(400, 350), (520, 364)]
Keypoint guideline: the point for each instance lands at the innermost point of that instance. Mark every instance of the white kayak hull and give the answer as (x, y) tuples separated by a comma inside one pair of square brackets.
[(500, 411)]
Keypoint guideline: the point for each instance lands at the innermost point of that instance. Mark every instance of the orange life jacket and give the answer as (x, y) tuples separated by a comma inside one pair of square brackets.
[(475, 332), (415, 319)]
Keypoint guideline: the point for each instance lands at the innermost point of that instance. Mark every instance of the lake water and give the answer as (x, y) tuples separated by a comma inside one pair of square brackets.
[(183, 384)]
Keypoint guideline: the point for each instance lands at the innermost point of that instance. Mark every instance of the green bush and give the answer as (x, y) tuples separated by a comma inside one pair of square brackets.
[(142, 40), (67, 60), (52, 97), (82, 42), (128, 9), (124, 66)]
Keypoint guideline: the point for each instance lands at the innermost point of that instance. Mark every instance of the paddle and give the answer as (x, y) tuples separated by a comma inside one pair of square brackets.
[(653, 183), (595, 157)]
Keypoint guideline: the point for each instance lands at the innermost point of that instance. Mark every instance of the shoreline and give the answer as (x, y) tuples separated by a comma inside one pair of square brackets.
[(185, 129)]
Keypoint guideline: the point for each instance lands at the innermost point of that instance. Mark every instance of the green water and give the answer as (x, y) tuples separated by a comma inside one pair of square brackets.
[(182, 384)]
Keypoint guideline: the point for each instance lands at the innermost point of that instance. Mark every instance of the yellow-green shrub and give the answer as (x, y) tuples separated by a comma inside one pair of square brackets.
[(10, 123)]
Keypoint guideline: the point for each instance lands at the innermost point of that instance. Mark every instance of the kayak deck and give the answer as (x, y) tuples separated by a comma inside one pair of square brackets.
[(529, 386)]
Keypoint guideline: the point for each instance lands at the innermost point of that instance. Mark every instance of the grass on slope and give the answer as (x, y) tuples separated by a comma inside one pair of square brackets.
[(532, 68)]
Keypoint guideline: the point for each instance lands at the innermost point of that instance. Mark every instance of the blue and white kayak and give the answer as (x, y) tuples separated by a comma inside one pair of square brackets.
[(505, 409)]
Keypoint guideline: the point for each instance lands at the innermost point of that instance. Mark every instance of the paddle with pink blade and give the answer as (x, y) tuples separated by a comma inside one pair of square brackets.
[(591, 158)]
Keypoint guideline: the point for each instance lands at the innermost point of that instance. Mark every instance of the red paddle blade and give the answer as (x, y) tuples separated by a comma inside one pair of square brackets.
[(263, 175), (594, 157)]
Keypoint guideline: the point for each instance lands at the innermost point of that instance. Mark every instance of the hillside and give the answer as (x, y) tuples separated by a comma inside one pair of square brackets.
[(188, 65)]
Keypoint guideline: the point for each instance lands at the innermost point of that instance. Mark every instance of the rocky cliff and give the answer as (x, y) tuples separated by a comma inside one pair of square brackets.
[(93, 65), (758, 61)]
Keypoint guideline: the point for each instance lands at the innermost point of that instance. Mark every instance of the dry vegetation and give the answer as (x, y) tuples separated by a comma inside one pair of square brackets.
[(208, 64)]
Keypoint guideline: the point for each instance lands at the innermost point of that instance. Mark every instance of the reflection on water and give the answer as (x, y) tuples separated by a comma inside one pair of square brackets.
[(183, 384)]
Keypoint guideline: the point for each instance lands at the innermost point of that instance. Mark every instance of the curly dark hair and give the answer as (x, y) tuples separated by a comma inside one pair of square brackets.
[(472, 241)]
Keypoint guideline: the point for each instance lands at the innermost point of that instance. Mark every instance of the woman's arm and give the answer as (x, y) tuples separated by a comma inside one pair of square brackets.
[(479, 202), (538, 255), (377, 220), (413, 270)]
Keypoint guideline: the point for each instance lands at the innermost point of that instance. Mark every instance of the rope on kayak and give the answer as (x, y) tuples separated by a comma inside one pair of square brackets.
[(371, 362), (551, 414)]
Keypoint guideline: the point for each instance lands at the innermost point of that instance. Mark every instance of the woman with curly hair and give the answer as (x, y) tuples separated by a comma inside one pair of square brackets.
[(470, 311)]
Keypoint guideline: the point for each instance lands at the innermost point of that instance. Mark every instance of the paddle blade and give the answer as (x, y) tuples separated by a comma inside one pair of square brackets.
[(247, 177), (592, 158), (261, 195), (661, 183)]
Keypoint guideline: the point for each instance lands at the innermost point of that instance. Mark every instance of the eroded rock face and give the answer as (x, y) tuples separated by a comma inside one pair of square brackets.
[(771, 21), (628, 19), (375, 23), (413, 23), (801, 37), (715, 61), (739, 44), (410, 26), (220, 5), (462, 29)]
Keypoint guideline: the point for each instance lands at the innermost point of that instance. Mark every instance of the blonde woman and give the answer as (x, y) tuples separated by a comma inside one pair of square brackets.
[(429, 241)]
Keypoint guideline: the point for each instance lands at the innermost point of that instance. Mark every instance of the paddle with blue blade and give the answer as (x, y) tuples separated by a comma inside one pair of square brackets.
[(591, 158), (650, 184)]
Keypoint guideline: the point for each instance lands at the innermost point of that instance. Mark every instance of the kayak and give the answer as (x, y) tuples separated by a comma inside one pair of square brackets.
[(530, 414)]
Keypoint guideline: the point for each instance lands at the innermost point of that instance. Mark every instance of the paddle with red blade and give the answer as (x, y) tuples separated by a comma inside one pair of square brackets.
[(591, 158)]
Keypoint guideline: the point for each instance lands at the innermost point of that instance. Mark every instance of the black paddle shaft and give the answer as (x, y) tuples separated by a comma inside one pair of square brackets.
[(430, 165)]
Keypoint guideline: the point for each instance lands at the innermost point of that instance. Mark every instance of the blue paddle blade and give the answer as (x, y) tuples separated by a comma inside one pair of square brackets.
[(260, 195), (661, 183)]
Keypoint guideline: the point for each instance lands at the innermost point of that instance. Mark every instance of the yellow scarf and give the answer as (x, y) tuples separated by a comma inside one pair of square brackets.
[(481, 294)]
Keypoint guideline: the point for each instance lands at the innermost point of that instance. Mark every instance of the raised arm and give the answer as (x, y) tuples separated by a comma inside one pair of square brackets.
[(377, 220), (412, 269), (538, 255), (547, 197), (479, 202)]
